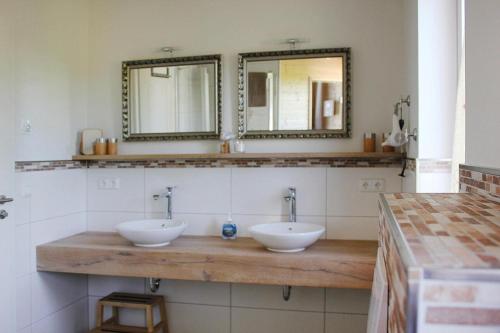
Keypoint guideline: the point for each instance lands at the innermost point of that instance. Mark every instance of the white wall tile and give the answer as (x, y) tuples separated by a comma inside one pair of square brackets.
[(24, 330), (244, 320), (107, 221), (244, 222), (55, 193), (53, 229), (198, 224), (103, 285), (409, 183), (22, 202), (360, 228), (345, 323), (53, 291), (72, 319), (197, 190), (344, 197), (208, 293), (354, 301), (23, 301), (271, 297), (191, 318), (128, 198), (261, 190), (23, 249)]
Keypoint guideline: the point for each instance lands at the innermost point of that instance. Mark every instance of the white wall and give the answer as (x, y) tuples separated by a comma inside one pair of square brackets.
[(64, 46), (482, 79), (50, 83), (431, 52), (50, 55), (437, 77), (203, 198), (411, 68), (127, 29), (7, 226), (49, 205)]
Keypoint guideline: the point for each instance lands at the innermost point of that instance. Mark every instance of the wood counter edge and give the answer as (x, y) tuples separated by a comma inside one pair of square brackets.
[(230, 268)]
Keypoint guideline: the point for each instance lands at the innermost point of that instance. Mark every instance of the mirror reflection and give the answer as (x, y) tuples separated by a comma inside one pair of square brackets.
[(295, 94), (299, 93), (172, 101)]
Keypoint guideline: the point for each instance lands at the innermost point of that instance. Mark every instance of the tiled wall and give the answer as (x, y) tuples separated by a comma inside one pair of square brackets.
[(203, 198), (57, 202), (483, 181), (49, 205)]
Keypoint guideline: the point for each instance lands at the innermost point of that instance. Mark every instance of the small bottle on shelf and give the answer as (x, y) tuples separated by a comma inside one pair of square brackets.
[(229, 229)]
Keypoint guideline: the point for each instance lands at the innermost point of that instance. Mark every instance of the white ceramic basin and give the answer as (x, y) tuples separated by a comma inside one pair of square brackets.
[(286, 237), (151, 233)]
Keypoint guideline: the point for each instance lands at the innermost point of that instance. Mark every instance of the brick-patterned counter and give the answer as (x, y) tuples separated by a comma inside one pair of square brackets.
[(442, 252)]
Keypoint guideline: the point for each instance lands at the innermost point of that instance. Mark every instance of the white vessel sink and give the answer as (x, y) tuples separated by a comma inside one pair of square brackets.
[(151, 233), (286, 236)]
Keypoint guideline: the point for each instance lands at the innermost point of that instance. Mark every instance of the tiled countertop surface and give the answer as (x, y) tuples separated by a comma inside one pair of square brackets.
[(448, 230)]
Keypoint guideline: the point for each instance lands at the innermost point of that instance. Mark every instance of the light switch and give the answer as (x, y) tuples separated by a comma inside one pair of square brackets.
[(26, 126), (372, 185)]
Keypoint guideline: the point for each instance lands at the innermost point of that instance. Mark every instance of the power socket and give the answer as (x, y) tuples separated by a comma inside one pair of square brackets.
[(108, 184), (372, 185)]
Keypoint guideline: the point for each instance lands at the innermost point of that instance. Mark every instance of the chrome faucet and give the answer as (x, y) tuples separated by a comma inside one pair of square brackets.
[(169, 195), (292, 204)]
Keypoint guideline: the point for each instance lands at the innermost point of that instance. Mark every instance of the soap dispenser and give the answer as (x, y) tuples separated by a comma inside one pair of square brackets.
[(229, 229)]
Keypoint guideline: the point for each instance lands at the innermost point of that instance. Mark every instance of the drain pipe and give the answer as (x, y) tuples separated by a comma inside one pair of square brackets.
[(287, 292), (153, 284)]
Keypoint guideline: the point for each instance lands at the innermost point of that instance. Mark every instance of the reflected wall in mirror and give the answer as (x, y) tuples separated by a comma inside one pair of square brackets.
[(295, 94), (172, 99)]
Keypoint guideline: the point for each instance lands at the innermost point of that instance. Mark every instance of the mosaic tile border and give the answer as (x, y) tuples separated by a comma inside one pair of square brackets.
[(254, 163), (483, 181), (434, 166), (35, 166), (334, 162)]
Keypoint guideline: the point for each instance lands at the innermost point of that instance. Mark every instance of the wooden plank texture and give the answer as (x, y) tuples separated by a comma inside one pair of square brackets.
[(236, 156), (328, 263)]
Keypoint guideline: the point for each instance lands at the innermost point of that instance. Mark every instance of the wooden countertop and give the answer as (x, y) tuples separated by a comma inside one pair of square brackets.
[(239, 156), (446, 231), (328, 263)]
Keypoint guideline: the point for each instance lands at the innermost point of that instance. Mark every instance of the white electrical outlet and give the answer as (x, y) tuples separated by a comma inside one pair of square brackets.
[(108, 184), (372, 185)]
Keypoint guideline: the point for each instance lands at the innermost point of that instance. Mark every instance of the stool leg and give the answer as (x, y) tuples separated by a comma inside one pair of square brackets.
[(163, 315), (150, 325), (116, 315), (99, 314)]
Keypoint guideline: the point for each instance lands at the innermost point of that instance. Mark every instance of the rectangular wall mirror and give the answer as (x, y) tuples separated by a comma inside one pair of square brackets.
[(172, 98), (295, 94)]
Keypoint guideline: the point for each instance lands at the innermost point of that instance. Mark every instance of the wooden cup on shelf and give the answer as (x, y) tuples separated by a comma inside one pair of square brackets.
[(387, 149), (369, 142)]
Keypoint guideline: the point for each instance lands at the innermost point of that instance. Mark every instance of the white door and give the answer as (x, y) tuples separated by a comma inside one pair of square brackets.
[(7, 224)]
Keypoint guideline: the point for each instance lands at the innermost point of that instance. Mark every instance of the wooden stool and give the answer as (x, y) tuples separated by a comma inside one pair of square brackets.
[(130, 301)]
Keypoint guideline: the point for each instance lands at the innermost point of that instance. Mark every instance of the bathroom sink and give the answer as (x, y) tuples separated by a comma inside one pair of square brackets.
[(286, 236), (151, 233)]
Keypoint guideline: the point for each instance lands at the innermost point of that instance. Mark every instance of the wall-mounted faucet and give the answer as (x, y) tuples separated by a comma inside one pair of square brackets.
[(292, 204), (167, 194)]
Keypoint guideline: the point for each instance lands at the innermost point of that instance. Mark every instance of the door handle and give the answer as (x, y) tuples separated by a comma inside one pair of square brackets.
[(3, 214), (4, 199)]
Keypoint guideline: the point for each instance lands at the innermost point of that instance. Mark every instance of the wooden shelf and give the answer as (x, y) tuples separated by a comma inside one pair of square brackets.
[(327, 264), (238, 156)]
